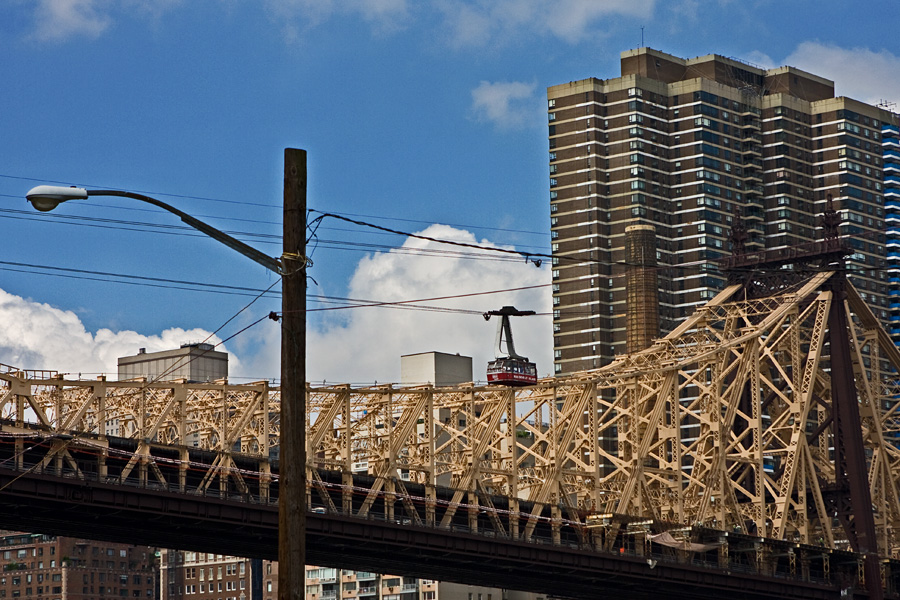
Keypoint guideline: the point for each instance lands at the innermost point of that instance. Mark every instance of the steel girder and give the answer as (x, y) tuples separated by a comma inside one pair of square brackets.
[(726, 422)]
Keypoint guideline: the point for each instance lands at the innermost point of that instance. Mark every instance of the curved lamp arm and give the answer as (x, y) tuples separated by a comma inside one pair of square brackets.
[(47, 197)]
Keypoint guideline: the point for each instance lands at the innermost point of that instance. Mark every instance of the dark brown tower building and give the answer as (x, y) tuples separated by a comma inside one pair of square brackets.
[(683, 145)]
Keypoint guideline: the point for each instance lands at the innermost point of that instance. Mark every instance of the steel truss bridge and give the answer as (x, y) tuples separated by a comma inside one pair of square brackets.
[(752, 450)]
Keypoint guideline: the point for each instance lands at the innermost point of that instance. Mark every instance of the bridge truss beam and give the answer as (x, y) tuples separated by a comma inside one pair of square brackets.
[(728, 422)]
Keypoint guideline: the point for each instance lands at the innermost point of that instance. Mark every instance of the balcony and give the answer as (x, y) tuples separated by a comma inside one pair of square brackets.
[(367, 591), (751, 149)]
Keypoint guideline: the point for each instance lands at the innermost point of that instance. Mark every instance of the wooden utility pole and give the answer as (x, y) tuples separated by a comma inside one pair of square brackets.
[(292, 459)]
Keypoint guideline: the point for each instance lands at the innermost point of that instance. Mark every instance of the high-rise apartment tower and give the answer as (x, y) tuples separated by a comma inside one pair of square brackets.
[(684, 145)]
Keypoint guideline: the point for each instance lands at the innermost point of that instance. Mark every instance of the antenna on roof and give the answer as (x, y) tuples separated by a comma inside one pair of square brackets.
[(642, 36)]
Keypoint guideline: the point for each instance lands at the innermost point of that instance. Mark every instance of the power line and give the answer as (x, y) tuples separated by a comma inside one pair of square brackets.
[(159, 282), (178, 365), (534, 257), (146, 193), (89, 275), (541, 233), (414, 303), (265, 205), (526, 255), (180, 230)]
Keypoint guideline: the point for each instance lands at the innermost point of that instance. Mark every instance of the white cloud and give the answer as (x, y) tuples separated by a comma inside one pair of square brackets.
[(859, 73), (59, 20), (759, 59), (38, 336), (467, 26), (367, 344), (479, 22), (572, 20), (467, 23), (297, 16), (506, 104)]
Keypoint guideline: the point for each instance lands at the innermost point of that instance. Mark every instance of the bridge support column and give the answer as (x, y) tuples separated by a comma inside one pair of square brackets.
[(183, 469), (804, 565), (390, 497), (430, 504), (514, 518), (347, 493), (724, 558), (20, 453), (142, 471), (853, 506), (555, 520), (102, 468), (473, 511), (763, 559), (265, 480)]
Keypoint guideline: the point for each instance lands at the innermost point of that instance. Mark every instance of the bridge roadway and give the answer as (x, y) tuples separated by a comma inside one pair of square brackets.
[(44, 493)]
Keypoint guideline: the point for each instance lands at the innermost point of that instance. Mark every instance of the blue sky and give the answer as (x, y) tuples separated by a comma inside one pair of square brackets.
[(415, 114)]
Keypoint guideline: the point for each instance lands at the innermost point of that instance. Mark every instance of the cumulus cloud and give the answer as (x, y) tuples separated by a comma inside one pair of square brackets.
[(760, 59), (59, 20), (367, 344), (62, 20), (296, 16), (857, 72), (506, 104), (39, 336), (573, 19), (479, 22)]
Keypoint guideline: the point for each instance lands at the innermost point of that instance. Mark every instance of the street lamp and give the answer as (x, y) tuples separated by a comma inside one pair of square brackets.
[(291, 266), (47, 197)]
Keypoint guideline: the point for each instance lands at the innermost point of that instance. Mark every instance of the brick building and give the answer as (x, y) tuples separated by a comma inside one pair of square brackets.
[(186, 575), (44, 567)]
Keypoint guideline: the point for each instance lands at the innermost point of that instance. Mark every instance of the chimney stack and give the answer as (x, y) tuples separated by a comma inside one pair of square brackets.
[(642, 289)]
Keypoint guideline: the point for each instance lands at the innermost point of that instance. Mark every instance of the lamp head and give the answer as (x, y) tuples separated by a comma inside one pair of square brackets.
[(47, 197)]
